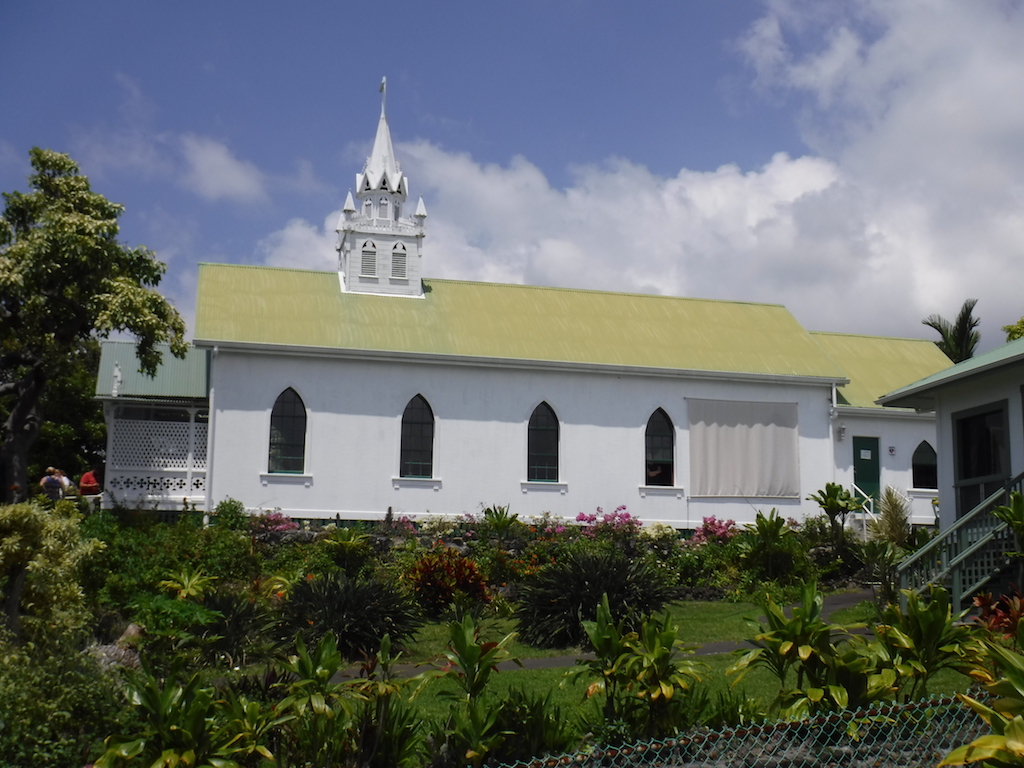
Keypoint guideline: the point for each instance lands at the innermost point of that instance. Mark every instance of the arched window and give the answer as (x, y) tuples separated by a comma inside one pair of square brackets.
[(660, 444), (368, 208), (288, 434), (417, 439), (398, 210), (542, 445), (383, 212), (398, 262), (925, 466), (368, 266)]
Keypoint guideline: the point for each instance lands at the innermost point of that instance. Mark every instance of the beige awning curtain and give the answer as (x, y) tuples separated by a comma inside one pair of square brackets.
[(743, 449)]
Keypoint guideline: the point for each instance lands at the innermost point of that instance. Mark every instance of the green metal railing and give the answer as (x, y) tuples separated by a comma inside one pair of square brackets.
[(907, 736), (968, 554)]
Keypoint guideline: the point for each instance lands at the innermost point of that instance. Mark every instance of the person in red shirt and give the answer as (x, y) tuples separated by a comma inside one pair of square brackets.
[(89, 484)]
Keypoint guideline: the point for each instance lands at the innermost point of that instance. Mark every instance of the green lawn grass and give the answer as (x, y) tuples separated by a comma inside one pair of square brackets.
[(699, 623)]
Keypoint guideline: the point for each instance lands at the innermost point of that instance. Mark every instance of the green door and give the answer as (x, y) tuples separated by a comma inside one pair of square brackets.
[(866, 466)]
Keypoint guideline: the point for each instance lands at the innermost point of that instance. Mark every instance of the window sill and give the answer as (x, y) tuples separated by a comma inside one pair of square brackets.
[(433, 483), (661, 490), (536, 486), (285, 478)]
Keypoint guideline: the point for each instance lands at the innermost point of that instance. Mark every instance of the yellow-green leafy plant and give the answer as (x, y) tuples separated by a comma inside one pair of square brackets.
[(1004, 747)]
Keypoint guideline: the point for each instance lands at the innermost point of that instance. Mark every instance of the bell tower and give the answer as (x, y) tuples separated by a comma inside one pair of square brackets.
[(380, 246)]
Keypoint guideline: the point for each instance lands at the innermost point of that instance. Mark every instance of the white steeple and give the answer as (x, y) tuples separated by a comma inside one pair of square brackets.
[(380, 248)]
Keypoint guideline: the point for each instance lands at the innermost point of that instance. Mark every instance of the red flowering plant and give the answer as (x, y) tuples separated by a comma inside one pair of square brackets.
[(442, 577), (618, 528), (1001, 615)]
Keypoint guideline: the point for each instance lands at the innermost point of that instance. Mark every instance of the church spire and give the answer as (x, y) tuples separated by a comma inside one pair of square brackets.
[(379, 243)]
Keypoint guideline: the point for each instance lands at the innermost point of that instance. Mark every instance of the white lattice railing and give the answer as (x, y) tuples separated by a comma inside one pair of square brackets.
[(156, 461)]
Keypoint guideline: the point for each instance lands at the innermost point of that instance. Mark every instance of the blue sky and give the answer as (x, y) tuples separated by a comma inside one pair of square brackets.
[(858, 161)]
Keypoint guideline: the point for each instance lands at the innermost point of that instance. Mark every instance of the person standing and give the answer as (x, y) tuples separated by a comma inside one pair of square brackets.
[(52, 487)]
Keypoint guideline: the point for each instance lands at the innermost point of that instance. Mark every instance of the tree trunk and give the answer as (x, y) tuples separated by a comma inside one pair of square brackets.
[(12, 599), (20, 432)]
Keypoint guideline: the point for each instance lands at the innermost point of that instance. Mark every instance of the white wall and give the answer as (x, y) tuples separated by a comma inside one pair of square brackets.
[(354, 423), (979, 390), (899, 433)]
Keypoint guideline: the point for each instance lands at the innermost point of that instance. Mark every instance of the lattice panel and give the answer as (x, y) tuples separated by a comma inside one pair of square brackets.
[(152, 444), (199, 447), (156, 484)]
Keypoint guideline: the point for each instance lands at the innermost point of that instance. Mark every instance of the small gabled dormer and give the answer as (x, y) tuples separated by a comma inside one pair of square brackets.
[(380, 248)]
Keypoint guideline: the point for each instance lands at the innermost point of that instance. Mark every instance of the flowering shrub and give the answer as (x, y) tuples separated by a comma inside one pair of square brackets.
[(271, 522), (441, 575), (615, 524), (714, 531)]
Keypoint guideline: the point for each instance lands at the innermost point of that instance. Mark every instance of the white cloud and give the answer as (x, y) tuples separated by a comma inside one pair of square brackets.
[(301, 245), (911, 200), (214, 173)]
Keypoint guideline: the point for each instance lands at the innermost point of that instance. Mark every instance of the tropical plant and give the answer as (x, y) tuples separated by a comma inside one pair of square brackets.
[(881, 559), (609, 642), (180, 726), (838, 503), (927, 638), (553, 602), (892, 523), (323, 729), (768, 550), (660, 675), (351, 550), (441, 576), (1004, 747), (188, 583), (1013, 515), (960, 338), (389, 732), (534, 725), (815, 670), (358, 613), (1001, 616), (472, 730)]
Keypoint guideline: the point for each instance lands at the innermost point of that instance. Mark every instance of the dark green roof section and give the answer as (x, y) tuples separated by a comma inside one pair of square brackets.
[(302, 308), (119, 374), (876, 365), (919, 394)]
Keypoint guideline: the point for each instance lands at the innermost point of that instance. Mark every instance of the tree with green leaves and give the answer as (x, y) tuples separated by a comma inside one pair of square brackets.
[(65, 280), (959, 338), (1015, 331)]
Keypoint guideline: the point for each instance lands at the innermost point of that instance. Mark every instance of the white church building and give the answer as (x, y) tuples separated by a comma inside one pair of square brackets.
[(351, 392)]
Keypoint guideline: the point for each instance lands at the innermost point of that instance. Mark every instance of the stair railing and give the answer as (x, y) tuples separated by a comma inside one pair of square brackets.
[(968, 554)]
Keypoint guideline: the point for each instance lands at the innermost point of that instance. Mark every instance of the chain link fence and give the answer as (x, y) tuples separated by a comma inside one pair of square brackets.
[(897, 736)]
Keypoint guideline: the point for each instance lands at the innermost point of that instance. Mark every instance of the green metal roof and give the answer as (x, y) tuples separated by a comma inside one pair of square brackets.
[(301, 308), (920, 394), (182, 379), (878, 364)]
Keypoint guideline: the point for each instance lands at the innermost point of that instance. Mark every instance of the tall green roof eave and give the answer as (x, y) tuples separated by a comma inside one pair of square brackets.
[(512, 362)]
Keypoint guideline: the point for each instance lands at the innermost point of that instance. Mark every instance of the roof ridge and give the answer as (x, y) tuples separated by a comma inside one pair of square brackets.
[(631, 294), (868, 336), (264, 266)]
